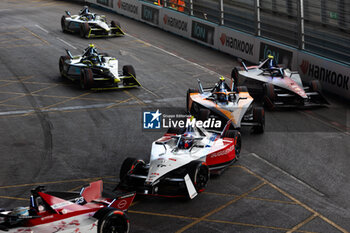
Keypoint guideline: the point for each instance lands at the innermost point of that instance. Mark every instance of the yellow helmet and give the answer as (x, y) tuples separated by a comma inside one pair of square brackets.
[(91, 45), (222, 78), (270, 56)]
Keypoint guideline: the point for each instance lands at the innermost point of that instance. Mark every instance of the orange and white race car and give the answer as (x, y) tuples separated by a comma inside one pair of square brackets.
[(226, 103)]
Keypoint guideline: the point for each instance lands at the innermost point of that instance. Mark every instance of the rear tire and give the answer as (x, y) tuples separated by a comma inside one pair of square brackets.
[(199, 174), (61, 65), (112, 220), (191, 90), (127, 71), (63, 23), (203, 114), (128, 165), (234, 75), (269, 95), (84, 30), (242, 89), (86, 79), (115, 23), (315, 86), (235, 134), (259, 117)]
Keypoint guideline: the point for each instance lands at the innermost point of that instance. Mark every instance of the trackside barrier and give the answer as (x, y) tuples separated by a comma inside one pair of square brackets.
[(334, 76)]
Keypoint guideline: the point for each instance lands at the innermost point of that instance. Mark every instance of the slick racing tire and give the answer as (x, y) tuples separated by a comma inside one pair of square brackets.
[(112, 220), (84, 30), (269, 95), (128, 165), (127, 71), (115, 23), (61, 65), (242, 89), (315, 86), (199, 174), (203, 114), (234, 75), (235, 134), (63, 23), (86, 79), (189, 91), (259, 117)]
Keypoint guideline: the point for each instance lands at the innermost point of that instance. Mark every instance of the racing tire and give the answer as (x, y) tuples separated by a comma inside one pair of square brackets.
[(242, 89), (127, 71), (269, 95), (63, 23), (259, 117), (203, 114), (84, 30), (235, 134), (61, 65), (86, 79), (111, 220), (199, 174), (128, 165), (234, 75), (189, 91), (315, 86), (115, 24)]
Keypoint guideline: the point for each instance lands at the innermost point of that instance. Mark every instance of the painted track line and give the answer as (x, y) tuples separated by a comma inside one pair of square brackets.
[(43, 29), (288, 174), (65, 42)]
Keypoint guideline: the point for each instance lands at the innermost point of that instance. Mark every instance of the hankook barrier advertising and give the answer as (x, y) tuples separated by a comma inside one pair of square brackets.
[(238, 44), (334, 77), (130, 8), (175, 22)]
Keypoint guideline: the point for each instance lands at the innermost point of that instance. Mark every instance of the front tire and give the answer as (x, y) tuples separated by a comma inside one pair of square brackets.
[(61, 65), (63, 23), (128, 165), (112, 220), (269, 95), (199, 174), (84, 30), (259, 117), (236, 135), (86, 79)]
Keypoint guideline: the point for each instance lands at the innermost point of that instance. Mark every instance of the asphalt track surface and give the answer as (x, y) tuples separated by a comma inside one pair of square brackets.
[(292, 178)]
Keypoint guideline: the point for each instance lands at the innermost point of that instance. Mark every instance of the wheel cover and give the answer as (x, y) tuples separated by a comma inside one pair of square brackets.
[(115, 223), (202, 177)]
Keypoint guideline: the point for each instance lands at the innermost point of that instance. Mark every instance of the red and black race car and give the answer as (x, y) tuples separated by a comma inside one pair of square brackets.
[(181, 161), (65, 212)]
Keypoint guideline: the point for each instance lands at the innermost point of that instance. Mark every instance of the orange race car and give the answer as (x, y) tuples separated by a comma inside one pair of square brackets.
[(226, 103)]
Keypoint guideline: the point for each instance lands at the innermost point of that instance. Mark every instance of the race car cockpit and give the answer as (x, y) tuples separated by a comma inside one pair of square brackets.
[(270, 67), (85, 13), (91, 55), (222, 93)]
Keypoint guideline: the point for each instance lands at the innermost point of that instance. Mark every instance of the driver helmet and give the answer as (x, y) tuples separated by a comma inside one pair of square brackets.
[(20, 211), (272, 62), (186, 141), (222, 97)]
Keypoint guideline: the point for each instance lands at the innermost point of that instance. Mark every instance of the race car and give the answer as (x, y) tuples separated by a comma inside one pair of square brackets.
[(89, 25), (226, 103), (181, 161), (96, 71), (278, 86), (65, 212)]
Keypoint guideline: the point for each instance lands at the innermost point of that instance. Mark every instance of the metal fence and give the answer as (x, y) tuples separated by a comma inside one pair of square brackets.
[(318, 26)]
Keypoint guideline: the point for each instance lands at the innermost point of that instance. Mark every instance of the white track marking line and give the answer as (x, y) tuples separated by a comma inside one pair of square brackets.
[(36, 25), (65, 42), (174, 55), (289, 175)]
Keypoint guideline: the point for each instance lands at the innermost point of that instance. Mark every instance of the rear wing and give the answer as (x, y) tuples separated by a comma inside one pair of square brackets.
[(123, 201)]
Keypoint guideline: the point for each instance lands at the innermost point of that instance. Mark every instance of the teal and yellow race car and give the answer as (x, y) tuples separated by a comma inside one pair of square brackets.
[(97, 71), (90, 25)]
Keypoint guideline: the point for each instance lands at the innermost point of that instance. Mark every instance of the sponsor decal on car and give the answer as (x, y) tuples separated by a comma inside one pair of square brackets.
[(223, 152)]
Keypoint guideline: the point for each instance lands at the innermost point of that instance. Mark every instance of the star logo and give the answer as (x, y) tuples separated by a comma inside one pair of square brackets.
[(151, 120), (156, 115)]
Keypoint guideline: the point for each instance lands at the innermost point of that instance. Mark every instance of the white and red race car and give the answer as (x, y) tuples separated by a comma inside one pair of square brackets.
[(71, 212), (278, 86), (181, 162)]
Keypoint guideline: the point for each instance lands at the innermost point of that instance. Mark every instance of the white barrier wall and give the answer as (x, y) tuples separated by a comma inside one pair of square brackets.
[(238, 44), (333, 76)]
